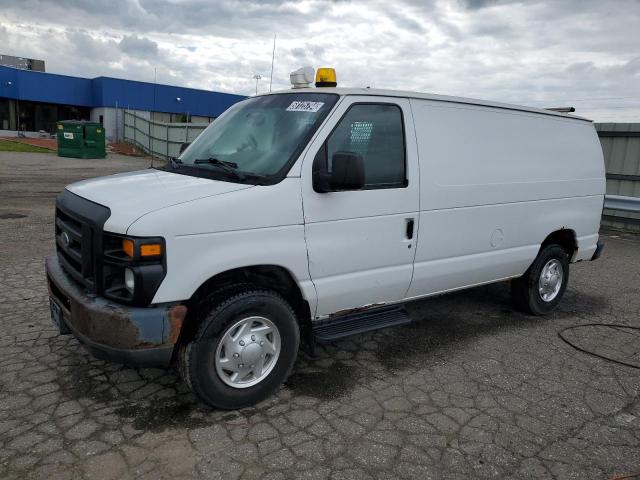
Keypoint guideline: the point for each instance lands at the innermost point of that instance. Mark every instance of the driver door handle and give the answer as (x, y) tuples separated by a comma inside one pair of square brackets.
[(410, 225)]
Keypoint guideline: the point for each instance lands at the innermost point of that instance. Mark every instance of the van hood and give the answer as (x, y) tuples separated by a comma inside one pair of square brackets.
[(131, 195)]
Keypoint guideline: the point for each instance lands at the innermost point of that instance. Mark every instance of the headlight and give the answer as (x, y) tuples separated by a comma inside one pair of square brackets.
[(129, 280), (133, 268)]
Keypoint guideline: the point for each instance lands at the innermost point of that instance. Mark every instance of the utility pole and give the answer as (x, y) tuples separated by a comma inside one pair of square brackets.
[(257, 77)]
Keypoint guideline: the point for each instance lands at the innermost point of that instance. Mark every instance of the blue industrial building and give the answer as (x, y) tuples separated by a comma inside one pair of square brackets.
[(34, 101)]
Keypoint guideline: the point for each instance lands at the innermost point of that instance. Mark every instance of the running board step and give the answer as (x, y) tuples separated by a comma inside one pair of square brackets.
[(361, 322)]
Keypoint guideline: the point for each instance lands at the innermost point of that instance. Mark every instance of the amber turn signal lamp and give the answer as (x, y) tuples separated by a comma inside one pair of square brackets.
[(127, 246), (150, 250)]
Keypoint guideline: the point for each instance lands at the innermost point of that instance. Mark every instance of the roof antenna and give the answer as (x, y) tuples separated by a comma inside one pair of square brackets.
[(273, 56)]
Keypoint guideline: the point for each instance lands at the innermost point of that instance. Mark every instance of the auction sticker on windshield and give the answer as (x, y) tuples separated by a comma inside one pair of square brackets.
[(300, 106)]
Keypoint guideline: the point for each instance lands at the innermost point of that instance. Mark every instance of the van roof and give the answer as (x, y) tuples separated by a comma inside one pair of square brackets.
[(429, 96)]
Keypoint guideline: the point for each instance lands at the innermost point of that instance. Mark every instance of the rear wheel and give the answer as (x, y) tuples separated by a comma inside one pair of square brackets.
[(542, 286), (244, 349)]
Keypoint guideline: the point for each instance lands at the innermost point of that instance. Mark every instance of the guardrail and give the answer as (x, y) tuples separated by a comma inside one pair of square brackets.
[(619, 202), (621, 212)]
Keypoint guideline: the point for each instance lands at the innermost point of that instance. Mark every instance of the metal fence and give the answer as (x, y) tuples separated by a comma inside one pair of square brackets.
[(621, 148), (158, 138)]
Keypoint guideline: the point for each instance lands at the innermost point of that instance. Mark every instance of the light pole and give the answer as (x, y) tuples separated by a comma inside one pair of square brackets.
[(257, 78)]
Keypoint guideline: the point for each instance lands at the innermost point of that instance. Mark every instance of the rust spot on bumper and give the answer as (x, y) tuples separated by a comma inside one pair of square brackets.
[(177, 315), (106, 324), (110, 324)]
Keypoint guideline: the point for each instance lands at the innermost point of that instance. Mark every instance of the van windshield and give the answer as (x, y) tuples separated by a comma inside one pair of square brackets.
[(256, 140)]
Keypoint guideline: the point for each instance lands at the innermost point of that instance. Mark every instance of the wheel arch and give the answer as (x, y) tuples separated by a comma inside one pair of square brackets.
[(271, 277), (566, 238)]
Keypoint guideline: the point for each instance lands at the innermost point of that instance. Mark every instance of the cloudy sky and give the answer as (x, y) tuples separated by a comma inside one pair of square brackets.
[(583, 53)]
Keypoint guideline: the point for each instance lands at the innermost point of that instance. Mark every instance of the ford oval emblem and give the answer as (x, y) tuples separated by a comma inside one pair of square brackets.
[(65, 239)]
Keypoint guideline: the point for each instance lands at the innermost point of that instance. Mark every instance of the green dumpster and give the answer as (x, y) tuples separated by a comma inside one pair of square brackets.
[(80, 139)]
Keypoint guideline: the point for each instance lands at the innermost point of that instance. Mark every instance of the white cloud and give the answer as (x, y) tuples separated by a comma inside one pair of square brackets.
[(541, 53)]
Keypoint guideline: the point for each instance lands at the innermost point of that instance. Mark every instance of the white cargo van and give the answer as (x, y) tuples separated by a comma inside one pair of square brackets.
[(315, 213)]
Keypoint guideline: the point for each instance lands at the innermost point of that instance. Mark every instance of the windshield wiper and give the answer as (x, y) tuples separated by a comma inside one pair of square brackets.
[(229, 167)]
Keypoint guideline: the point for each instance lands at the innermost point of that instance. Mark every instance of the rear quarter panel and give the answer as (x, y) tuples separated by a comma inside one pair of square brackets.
[(493, 184)]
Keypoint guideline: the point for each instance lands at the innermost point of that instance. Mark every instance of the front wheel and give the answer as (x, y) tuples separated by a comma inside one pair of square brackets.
[(244, 349), (541, 287)]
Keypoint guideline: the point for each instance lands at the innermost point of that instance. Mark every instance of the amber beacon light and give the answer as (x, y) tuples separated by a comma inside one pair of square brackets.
[(326, 77)]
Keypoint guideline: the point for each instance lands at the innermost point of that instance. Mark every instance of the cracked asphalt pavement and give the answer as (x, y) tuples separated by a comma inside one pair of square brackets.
[(472, 389)]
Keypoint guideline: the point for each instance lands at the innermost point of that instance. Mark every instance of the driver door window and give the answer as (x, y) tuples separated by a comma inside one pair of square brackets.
[(376, 132)]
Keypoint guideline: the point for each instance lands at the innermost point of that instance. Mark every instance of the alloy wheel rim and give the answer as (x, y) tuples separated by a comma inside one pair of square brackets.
[(550, 280), (247, 352)]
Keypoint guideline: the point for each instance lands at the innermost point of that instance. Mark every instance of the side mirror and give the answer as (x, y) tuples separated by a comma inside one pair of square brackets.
[(347, 173), (184, 146)]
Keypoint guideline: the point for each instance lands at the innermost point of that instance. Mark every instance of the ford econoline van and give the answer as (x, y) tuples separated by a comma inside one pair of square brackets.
[(315, 213)]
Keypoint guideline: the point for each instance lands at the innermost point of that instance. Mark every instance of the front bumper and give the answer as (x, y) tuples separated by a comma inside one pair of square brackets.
[(112, 331)]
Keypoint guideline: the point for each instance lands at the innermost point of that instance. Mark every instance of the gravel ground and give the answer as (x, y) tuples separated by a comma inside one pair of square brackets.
[(472, 389)]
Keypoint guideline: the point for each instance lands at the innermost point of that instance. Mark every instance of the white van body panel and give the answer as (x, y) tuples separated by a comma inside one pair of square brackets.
[(261, 225), (474, 155), (492, 242), (494, 183), (134, 194), (358, 250)]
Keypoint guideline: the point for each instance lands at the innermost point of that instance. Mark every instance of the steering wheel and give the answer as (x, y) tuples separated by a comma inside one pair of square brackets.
[(251, 143)]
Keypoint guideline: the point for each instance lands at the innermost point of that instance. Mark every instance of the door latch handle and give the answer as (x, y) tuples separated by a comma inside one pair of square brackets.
[(409, 232)]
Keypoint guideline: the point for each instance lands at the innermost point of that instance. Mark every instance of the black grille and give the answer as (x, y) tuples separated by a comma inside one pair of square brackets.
[(78, 231), (74, 240)]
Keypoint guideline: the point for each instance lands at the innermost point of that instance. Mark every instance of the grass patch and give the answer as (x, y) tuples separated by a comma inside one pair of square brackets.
[(10, 146)]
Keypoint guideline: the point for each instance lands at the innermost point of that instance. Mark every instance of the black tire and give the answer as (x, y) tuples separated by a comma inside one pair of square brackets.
[(218, 313), (525, 291)]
